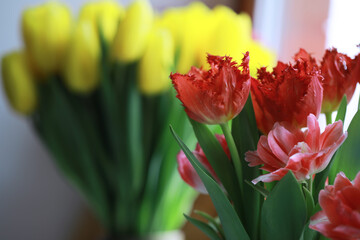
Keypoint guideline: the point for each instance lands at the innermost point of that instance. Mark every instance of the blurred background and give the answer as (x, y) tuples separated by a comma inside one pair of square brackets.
[(37, 203)]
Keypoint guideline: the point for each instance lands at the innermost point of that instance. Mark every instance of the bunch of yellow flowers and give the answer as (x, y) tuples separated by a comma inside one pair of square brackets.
[(57, 44), (96, 89)]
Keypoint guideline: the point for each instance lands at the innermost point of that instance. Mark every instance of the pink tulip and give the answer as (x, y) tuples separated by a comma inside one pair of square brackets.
[(187, 171), (303, 152), (340, 215)]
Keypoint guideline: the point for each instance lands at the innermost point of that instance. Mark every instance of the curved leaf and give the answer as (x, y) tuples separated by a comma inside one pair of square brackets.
[(283, 215), (230, 221)]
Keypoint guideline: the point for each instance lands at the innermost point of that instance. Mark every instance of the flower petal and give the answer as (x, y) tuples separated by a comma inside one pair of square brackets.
[(288, 94), (357, 181), (266, 155), (336, 68), (270, 177), (214, 96), (313, 134), (253, 158), (281, 141), (333, 133), (188, 173)]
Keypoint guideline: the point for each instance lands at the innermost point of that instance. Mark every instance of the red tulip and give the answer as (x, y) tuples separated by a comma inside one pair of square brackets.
[(355, 69), (310, 62), (187, 171), (214, 96), (288, 94), (336, 69), (340, 215), (340, 75), (303, 152)]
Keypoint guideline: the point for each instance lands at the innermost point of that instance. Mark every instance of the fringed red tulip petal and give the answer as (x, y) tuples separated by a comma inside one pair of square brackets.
[(288, 94), (187, 171), (355, 69), (336, 69), (303, 152), (214, 96), (340, 215), (340, 75)]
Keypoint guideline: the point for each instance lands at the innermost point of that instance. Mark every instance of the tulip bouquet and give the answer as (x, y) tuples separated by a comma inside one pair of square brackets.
[(97, 92), (273, 174)]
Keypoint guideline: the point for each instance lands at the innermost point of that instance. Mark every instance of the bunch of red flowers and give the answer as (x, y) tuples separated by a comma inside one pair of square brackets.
[(283, 102)]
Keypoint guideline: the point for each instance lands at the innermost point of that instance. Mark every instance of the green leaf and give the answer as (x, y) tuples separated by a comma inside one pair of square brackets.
[(342, 110), (310, 205), (283, 215), (205, 228), (68, 138), (244, 129), (246, 136), (323, 238), (219, 161), (319, 180), (347, 157), (308, 233), (212, 221), (135, 131), (233, 228), (258, 188)]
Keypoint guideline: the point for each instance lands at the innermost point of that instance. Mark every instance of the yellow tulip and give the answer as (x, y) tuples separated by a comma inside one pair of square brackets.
[(105, 15), (231, 35), (193, 29), (18, 82), (81, 70), (260, 57), (46, 31), (156, 63), (172, 20), (133, 31)]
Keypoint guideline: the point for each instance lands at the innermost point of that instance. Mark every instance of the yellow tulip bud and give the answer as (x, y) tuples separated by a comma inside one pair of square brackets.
[(133, 32), (18, 82), (260, 57), (46, 31), (105, 15), (194, 26), (231, 35), (156, 63), (81, 70), (172, 20)]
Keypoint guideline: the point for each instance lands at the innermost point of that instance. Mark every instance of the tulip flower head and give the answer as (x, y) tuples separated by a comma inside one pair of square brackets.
[(133, 32), (340, 76), (336, 69), (194, 26), (156, 63), (303, 152), (340, 215), (105, 15), (288, 94), (81, 70), (215, 96), (18, 82), (187, 171), (355, 66), (46, 32), (230, 34)]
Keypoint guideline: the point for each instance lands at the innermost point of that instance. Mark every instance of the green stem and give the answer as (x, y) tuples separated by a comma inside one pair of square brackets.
[(328, 118), (234, 154), (310, 185)]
